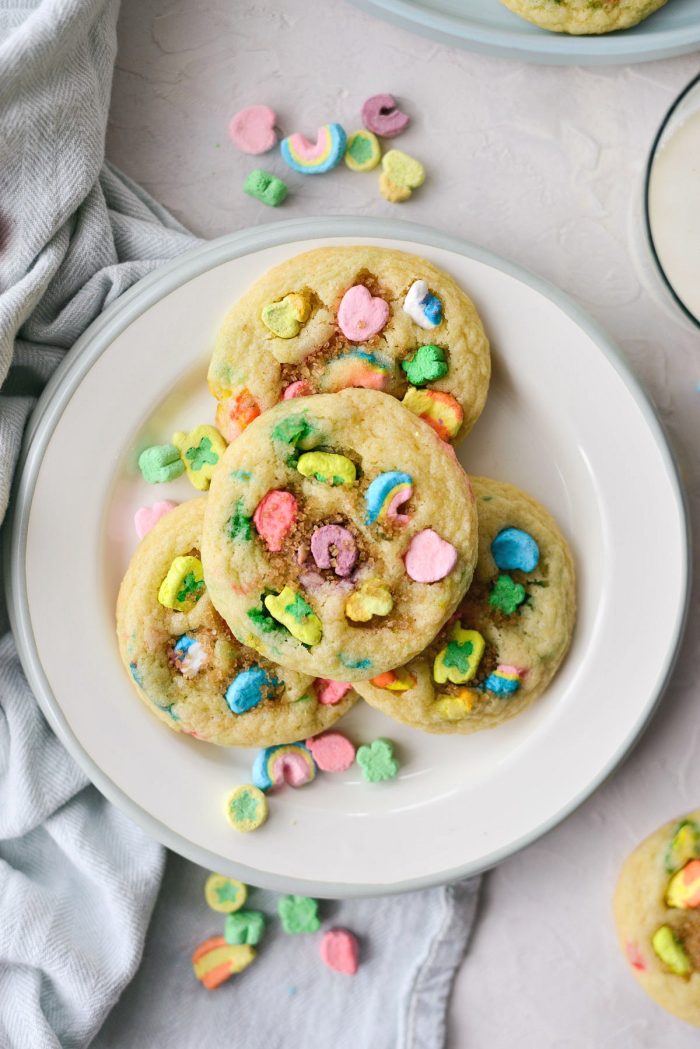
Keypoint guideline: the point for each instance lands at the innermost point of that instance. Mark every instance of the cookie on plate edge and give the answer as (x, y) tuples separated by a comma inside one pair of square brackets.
[(657, 914), (362, 316), (187, 666), (501, 649), (584, 17)]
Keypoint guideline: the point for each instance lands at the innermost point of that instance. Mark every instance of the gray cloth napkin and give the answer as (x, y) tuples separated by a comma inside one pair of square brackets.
[(78, 881), (410, 947)]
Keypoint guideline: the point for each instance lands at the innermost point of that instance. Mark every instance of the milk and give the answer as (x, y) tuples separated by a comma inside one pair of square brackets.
[(674, 203)]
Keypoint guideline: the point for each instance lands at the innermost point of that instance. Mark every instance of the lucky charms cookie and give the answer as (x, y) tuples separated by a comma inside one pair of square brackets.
[(584, 17), (344, 317), (339, 535), (657, 913), (510, 633), (187, 666)]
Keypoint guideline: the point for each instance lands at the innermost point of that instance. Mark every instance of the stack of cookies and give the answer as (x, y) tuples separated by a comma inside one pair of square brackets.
[(341, 548)]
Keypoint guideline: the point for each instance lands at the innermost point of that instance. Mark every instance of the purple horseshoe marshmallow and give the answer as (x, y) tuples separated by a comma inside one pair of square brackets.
[(381, 115), (332, 542)]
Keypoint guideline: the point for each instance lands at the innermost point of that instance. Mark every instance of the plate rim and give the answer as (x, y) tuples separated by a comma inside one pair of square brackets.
[(549, 48), (96, 339)]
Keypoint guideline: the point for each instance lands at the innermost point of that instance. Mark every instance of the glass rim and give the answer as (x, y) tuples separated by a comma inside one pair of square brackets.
[(647, 179)]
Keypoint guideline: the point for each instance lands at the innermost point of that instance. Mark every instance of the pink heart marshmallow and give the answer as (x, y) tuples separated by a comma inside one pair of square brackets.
[(253, 129), (340, 951), (361, 315), (148, 516), (429, 557)]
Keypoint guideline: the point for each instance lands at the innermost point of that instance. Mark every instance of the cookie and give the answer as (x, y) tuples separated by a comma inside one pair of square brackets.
[(510, 633), (657, 914), (344, 317), (581, 17), (187, 666), (340, 534)]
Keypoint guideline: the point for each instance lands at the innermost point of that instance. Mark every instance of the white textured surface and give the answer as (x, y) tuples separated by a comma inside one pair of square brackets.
[(542, 165)]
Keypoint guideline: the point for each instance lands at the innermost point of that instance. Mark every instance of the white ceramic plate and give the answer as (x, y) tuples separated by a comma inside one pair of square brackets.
[(489, 27), (565, 420)]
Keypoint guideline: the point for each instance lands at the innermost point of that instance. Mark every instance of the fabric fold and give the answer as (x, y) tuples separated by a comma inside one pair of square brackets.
[(78, 880)]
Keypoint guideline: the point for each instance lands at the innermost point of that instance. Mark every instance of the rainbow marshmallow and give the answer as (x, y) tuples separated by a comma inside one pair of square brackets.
[(684, 887), (504, 681), (290, 763), (386, 493), (215, 960), (399, 680), (315, 158), (440, 410), (357, 369)]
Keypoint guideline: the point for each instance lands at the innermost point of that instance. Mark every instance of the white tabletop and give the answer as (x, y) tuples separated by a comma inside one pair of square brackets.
[(542, 165)]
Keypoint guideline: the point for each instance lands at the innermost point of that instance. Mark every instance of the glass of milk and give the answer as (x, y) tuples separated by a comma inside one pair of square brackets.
[(672, 202)]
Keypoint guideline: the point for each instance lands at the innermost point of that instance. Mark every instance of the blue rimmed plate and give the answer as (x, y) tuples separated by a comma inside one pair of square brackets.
[(489, 27), (565, 420)]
